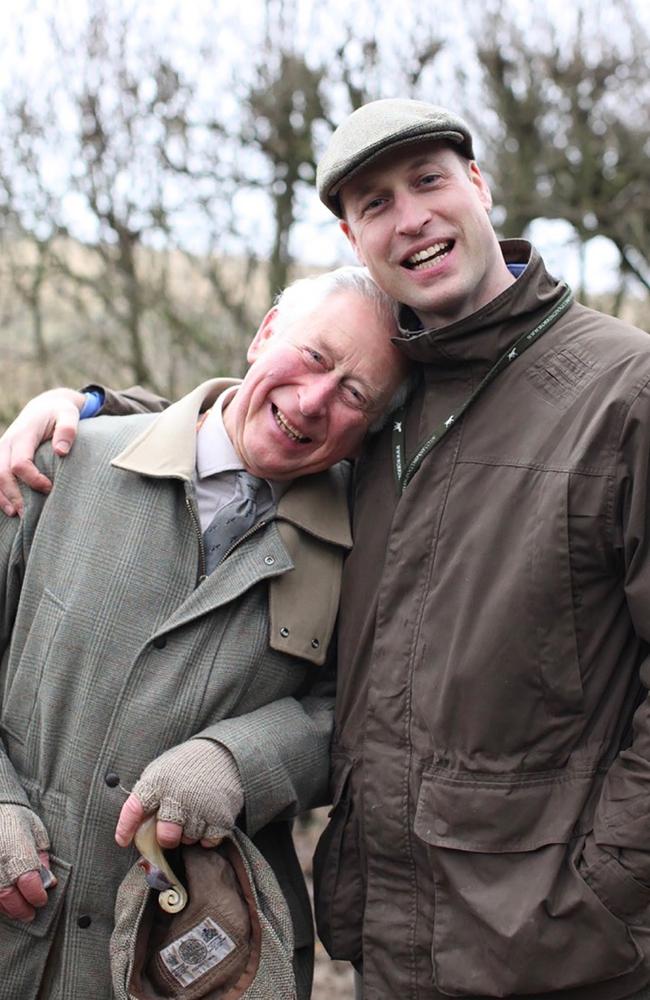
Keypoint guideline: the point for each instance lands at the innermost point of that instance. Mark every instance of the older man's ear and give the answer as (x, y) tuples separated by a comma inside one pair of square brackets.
[(264, 333)]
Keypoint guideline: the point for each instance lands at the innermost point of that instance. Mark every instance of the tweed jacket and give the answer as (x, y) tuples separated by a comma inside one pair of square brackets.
[(115, 648)]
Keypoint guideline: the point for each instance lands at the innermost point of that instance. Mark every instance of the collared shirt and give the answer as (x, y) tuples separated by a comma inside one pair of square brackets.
[(216, 464)]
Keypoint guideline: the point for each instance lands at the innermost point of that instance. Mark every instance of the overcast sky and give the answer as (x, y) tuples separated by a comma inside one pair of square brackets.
[(317, 239)]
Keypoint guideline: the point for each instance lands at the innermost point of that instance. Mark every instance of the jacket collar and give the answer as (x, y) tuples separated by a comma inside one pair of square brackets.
[(166, 449), (484, 335)]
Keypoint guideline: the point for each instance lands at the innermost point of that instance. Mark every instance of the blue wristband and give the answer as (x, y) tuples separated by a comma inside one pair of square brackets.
[(92, 405)]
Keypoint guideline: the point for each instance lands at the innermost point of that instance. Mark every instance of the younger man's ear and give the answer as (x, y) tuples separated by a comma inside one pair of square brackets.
[(264, 333), (481, 185), (349, 235)]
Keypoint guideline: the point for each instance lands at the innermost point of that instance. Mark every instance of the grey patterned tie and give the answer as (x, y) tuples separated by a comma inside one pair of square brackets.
[(252, 496)]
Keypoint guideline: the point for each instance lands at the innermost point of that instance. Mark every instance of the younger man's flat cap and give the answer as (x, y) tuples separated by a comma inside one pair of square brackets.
[(376, 127)]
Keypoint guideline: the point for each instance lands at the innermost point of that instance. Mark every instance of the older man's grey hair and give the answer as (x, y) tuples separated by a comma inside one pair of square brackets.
[(306, 294)]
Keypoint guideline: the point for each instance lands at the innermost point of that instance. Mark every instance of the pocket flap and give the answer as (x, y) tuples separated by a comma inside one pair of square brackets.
[(46, 916), (493, 814), (341, 765)]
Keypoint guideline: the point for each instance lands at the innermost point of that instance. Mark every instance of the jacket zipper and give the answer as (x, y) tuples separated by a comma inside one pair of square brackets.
[(242, 538), (199, 534), (189, 503)]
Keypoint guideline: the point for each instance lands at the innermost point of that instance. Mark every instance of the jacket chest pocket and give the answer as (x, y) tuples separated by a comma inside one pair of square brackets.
[(500, 618), (550, 609), (512, 913), (30, 652)]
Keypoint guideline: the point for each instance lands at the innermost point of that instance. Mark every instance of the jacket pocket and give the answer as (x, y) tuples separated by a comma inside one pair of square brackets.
[(31, 645), (512, 913), (25, 947), (549, 548), (338, 882), (619, 891)]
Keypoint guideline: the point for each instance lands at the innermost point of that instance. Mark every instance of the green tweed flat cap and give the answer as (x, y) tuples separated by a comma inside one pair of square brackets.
[(376, 127)]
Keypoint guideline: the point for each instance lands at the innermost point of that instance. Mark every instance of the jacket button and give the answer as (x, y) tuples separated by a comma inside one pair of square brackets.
[(315, 644), (441, 827), (269, 560), (159, 642), (112, 779), (84, 921), (284, 631)]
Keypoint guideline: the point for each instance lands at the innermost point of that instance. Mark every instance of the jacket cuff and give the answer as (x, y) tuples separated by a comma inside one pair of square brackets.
[(128, 401), (282, 754)]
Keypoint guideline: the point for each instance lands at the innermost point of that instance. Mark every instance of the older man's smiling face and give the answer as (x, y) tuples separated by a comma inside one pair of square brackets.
[(313, 387)]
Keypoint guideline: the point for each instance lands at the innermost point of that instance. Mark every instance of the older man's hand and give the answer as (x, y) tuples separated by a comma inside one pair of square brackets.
[(196, 790), (24, 845), (54, 414)]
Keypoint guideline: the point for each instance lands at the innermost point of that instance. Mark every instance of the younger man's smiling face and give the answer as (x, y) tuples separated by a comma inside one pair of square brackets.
[(314, 387), (417, 217)]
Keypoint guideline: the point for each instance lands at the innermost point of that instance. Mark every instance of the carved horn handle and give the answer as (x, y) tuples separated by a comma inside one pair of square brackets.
[(172, 895)]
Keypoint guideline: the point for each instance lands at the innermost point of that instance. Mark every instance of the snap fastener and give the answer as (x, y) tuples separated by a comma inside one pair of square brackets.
[(284, 631), (84, 921), (159, 642), (269, 560), (315, 644), (441, 827), (112, 779)]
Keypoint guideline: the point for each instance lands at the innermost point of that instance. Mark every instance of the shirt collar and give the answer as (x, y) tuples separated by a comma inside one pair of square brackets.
[(214, 449)]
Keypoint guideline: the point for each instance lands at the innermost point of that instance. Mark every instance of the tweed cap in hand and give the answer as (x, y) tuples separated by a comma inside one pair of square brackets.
[(233, 940), (376, 127)]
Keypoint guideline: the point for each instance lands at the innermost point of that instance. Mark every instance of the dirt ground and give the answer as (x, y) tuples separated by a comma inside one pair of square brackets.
[(332, 980)]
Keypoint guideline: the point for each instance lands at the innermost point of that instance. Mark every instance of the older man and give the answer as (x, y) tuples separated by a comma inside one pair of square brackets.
[(141, 646)]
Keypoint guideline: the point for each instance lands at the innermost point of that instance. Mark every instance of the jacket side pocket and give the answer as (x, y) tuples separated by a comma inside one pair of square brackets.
[(32, 641), (25, 947), (512, 913), (338, 882), (618, 890)]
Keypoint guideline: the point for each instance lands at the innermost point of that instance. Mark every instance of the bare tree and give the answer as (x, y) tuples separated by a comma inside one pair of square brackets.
[(573, 135), (133, 167), (151, 194)]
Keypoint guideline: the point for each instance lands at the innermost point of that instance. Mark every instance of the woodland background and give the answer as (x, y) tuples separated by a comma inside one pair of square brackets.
[(157, 163)]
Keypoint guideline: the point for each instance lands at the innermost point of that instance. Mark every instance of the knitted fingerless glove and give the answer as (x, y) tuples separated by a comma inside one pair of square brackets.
[(195, 784)]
